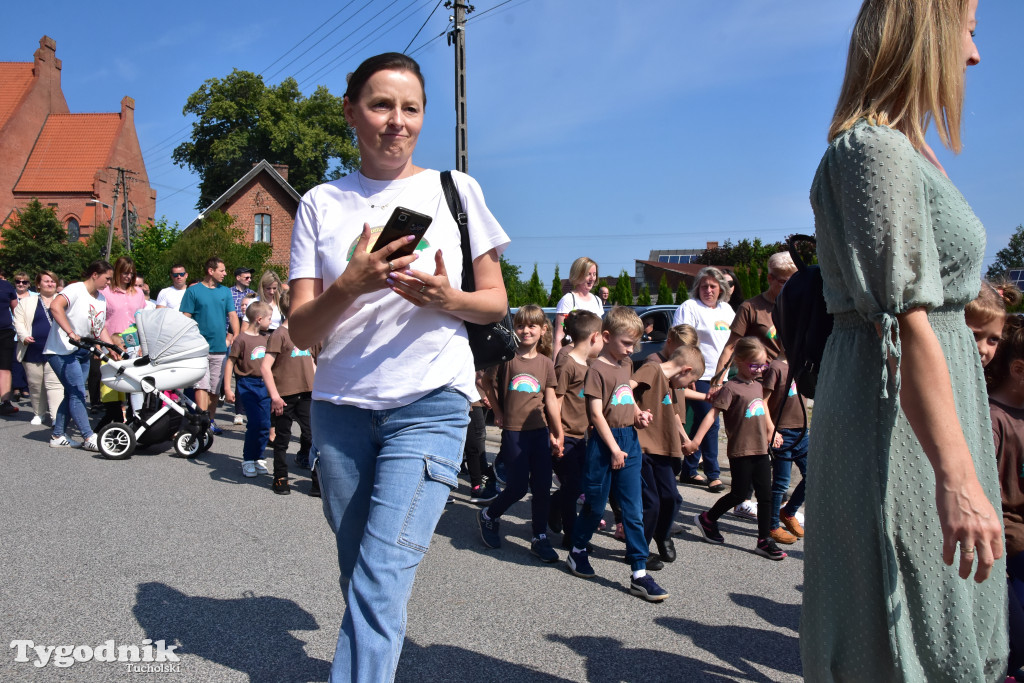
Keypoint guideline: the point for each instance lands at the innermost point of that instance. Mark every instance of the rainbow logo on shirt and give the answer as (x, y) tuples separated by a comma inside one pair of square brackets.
[(298, 353), (721, 326), (755, 408), (258, 352), (581, 393), (525, 383), (771, 333), (792, 389), (622, 396), (667, 400), (374, 234)]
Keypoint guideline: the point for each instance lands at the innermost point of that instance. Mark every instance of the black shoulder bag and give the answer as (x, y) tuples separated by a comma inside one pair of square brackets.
[(492, 343)]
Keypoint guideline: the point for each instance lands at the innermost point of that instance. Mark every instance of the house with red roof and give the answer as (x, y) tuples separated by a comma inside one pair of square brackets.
[(66, 160)]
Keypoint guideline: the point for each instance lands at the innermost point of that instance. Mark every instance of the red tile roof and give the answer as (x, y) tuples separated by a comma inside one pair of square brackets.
[(69, 151), (15, 78)]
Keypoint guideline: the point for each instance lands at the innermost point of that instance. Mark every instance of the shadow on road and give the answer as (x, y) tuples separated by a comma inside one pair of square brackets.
[(740, 646), (445, 663), (250, 634)]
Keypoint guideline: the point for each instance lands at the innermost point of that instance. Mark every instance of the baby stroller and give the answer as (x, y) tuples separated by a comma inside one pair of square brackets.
[(173, 355)]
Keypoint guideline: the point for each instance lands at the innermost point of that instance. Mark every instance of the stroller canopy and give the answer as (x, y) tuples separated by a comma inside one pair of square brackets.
[(167, 336)]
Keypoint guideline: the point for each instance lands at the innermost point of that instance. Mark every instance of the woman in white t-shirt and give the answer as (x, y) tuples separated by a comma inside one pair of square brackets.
[(395, 376), (707, 311), (78, 311), (582, 277)]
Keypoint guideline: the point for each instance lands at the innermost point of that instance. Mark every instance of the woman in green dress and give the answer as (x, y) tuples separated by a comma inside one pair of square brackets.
[(904, 495)]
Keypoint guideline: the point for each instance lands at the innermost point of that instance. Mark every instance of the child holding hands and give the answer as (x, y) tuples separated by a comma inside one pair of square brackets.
[(245, 360)]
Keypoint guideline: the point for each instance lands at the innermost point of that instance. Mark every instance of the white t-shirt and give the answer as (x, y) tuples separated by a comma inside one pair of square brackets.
[(171, 297), (86, 313), (572, 301), (384, 352), (712, 325)]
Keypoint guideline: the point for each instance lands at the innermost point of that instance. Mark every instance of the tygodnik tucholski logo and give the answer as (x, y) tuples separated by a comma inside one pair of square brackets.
[(150, 657)]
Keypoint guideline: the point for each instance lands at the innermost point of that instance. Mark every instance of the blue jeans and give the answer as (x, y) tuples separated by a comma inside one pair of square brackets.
[(795, 447), (385, 477), (709, 446), (252, 393), (72, 369), (527, 458), (598, 480)]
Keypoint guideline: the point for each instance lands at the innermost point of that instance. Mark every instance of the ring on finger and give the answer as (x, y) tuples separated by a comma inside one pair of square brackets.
[(391, 265), (967, 551), (423, 289)]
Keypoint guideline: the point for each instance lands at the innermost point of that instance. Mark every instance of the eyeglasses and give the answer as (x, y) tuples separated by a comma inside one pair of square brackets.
[(178, 274), (21, 282), (757, 367)]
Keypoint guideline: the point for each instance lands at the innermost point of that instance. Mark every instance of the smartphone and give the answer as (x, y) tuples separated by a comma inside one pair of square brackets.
[(402, 222)]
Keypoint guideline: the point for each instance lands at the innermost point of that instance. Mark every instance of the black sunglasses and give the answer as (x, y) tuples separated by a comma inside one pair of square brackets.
[(21, 282), (178, 274)]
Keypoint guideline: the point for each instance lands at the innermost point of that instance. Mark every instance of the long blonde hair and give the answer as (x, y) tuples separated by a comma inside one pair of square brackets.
[(905, 68), (268, 278)]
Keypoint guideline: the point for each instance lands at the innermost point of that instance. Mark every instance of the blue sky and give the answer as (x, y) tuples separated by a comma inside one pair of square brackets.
[(600, 128)]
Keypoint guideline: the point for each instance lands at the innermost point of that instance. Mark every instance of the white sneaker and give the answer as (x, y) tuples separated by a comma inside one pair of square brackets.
[(799, 517), (249, 468), (261, 466), (239, 420), (36, 421), (747, 510), (91, 444), (63, 442)]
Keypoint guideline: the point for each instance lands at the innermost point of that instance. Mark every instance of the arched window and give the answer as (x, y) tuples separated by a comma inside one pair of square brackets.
[(74, 231), (262, 229)]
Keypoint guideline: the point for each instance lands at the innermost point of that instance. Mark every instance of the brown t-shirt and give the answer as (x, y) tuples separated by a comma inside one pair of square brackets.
[(522, 382), (562, 353), (754, 319), (247, 352), (654, 393), (742, 406), (610, 384), (570, 376), (1008, 430), (774, 380), (293, 368), (680, 402)]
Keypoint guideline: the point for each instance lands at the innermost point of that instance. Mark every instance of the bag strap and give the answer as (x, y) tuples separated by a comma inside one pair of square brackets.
[(451, 195), (797, 259)]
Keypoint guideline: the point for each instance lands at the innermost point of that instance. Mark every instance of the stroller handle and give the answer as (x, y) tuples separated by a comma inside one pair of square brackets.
[(91, 342)]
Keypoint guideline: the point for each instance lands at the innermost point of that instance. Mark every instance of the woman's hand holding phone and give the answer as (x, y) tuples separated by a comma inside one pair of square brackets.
[(369, 271)]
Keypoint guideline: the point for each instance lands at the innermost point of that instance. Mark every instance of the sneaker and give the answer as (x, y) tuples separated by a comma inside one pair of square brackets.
[(239, 420), (483, 494), (654, 563), (646, 588), (63, 442), (314, 486), (579, 564), (281, 486), (602, 525), (91, 444), (800, 517), (489, 531), (792, 525), (36, 421), (451, 499), (766, 547), (214, 429), (746, 510), (708, 528), (249, 468), (261, 466), (541, 547), (8, 408), (780, 535)]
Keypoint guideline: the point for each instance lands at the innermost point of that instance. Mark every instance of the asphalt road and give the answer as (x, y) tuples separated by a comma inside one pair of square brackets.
[(244, 583)]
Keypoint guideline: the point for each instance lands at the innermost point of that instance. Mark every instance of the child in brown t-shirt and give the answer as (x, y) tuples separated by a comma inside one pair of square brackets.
[(245, 360), (788, 411), (741, 402), (526, 409)]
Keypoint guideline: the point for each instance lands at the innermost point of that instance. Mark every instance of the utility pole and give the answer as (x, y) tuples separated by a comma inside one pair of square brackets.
[(110, 228), (457, 37), (122, 184)]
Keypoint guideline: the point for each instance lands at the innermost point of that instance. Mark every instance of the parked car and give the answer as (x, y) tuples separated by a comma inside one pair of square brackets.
[(660, 320)]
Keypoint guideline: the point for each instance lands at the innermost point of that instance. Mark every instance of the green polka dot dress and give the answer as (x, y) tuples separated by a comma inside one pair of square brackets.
[(879, 605)]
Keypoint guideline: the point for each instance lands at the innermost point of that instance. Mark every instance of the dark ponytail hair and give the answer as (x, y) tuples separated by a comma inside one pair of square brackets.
[(96, 267), (389, 61)]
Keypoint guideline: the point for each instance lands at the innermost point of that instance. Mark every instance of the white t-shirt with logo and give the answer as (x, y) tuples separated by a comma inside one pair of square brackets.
[(86, 313), (712, 325), (384, 352)]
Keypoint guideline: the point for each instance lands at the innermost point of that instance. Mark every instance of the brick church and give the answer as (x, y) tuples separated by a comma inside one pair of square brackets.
[(62, 159)]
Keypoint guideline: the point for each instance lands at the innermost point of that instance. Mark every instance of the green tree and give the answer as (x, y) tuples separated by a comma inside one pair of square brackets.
[(682, 293), (217, 236), (241, 120), (151, 252), (35, 240), (534, 293), (1010, 256), (514, 287), (601, 283), (644, 299), (81, 254), (556, 289), (623, 292), (742, 253), (664, 291)]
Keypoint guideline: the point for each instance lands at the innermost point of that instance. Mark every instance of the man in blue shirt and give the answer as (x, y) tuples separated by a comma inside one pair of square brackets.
[(209, 303)]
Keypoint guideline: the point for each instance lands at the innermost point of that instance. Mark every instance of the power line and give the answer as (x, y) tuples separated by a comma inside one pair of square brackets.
[(326, 21), (500, 4), (322, 38), (349, 35), (421, 27), (442, 34)]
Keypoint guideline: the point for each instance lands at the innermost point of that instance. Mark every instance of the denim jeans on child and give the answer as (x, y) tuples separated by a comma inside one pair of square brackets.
[(385, 477), (599, 479), (252, 393), (72, 369), (794, 449), (708, 450), (527, 458)]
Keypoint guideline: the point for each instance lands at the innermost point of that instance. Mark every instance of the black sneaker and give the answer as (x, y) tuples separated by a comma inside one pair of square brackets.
[(708, 528), (541, 547), (489, 531), (579, 564), (281, 486), (483, 494), (314, 486), (654, 563), (766, 548), (646, 588)]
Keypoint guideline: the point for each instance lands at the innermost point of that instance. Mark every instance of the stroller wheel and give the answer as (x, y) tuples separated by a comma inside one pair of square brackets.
[(116, 441), (205, 441), (186, 445)]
